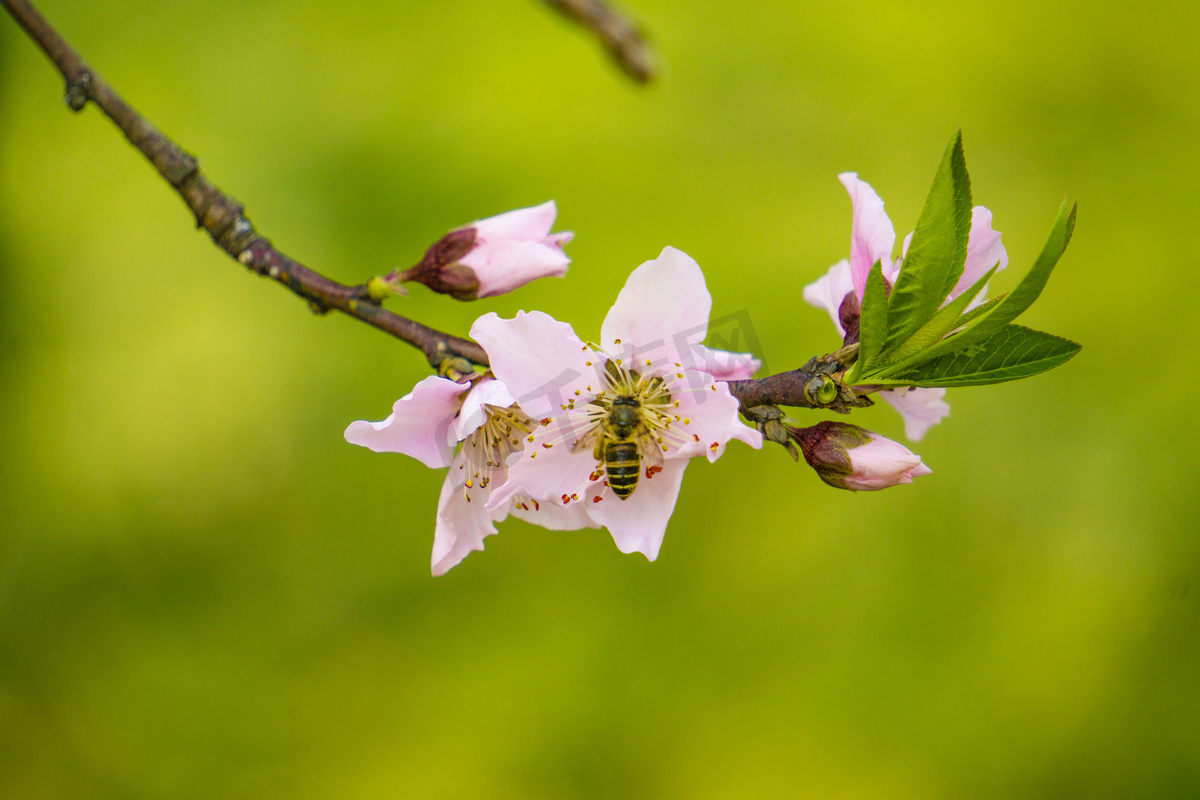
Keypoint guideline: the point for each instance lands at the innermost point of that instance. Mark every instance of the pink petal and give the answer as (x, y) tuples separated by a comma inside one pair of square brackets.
[(503, 266), (547, 473), (664, 306), (829, 290), (538, 358), (637, 524), (710, 417), (461, 525), (724, 365), (921, 409), (554, 517), (984, 251), (472, 414), (872, 237), (882, 463), (524, 224), (420, 425)]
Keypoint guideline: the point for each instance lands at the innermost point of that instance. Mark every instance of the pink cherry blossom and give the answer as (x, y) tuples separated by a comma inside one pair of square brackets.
[(872, 239), (515, 248), (849, 457), (494, 255), (649, 350), (429, 424)]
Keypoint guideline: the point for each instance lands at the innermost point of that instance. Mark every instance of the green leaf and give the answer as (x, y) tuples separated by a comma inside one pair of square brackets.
[(997, 316), (872, 319), (1011, 353), (978, 311), (945, 320), (935, 258)]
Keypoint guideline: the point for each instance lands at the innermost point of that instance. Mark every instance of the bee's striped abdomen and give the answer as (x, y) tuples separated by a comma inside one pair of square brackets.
[(622, 463)]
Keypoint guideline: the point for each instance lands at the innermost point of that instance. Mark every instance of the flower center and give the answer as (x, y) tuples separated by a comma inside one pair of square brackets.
[(632, 408), (486, 450)]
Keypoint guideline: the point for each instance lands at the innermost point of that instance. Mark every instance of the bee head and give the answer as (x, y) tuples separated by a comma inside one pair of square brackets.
[(624, 415)]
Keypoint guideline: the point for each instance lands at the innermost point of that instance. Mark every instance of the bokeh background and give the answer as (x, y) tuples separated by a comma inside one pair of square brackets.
[(205, 592)]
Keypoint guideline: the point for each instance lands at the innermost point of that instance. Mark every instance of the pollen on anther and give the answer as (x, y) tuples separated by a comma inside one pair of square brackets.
[(530, 439), (546, 421), (574, 497), (664, 448), (677, 404), (713, 387), (577, 393), (533, 454), (649, 362), (536, 507), (617, 341), (714, 446), (470, 483), (652, 471), (678, 374), (588, 363), (694, 436), (687, 420), (566, 499), (547, 445), (596, 499)]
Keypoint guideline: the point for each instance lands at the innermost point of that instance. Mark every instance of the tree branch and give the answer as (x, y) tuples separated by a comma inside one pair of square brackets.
[(221, 215), (620, 36), (223, 218)]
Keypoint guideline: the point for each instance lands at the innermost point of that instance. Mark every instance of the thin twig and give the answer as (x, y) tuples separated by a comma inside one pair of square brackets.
[(621, 37), (221, 215)]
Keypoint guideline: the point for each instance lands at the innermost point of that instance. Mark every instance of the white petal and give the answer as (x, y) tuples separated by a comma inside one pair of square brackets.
[(461, 526), (872, 236), (637, 524), (829, 290), (538, 358), (664, 306), (921, 409), (420, 425)]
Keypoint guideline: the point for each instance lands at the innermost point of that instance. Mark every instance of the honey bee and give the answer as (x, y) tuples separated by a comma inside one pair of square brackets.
[(624, 433)]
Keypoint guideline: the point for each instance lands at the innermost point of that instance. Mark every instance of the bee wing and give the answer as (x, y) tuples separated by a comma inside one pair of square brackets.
[(650, 451), (587, 440)]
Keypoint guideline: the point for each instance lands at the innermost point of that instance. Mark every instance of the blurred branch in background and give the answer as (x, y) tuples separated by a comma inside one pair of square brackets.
[(621, 37), (221, 215)]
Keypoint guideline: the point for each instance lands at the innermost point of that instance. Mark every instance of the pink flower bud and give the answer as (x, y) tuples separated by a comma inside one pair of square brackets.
[(495, 255), (849, 457)]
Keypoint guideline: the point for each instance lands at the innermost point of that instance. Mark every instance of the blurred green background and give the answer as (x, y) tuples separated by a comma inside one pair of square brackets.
[(205, 592)]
